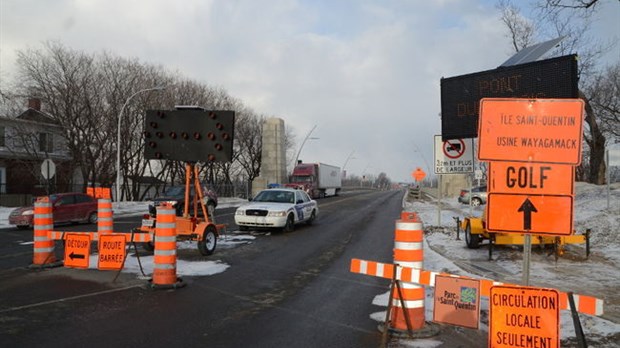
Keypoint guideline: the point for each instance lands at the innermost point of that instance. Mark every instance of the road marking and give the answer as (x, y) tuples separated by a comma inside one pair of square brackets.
[(304, 314), (44, 303)]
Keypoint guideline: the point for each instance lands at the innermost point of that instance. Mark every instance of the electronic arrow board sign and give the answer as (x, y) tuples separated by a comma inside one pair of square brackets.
[(189, 135), (460, 95)]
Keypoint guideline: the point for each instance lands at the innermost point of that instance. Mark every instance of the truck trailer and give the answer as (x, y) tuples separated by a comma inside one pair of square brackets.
[(317, 179)]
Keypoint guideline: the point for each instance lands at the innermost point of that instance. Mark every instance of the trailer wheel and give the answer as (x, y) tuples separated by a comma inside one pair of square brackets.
[(476, 201), (472, 240), (206, 246)]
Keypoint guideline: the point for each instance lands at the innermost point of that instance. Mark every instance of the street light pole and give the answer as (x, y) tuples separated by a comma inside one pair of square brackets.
[(302, 144), (347, 160), (425, 161), (118, 138)]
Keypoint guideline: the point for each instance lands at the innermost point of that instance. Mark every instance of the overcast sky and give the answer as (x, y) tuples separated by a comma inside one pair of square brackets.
[(366, 73)]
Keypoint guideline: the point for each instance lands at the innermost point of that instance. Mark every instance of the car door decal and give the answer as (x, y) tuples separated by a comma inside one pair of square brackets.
[(300, 212)]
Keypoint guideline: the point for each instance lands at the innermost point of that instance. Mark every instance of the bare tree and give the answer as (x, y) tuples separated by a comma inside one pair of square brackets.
[(62, 78), (574, 27), (249, 143), (521, 31), (604, 92), (558, 5), (85, 95)]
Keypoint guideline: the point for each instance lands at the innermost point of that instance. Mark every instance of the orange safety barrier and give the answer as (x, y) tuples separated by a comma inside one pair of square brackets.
[(409, 215), (584, 304), (43, 253), (99, 192), (408, 252), (105, 221), (94, 236), (165, 254)]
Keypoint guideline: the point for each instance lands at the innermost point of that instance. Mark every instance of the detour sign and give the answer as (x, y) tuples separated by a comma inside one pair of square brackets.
[(524, 317)]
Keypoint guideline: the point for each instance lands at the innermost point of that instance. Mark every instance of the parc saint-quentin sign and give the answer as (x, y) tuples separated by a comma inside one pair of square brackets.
[(460, 95)]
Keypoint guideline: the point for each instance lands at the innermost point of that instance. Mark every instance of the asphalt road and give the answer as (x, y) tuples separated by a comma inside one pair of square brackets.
[(282, 290)]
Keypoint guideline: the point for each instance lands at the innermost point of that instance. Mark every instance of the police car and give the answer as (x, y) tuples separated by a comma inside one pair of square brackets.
[(280, 208)]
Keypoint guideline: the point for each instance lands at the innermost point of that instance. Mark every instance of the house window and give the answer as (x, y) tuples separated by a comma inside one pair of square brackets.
[(2, 137), (45, 142)]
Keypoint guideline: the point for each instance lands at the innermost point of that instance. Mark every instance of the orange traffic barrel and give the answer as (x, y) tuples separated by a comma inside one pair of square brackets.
[(165, 253), (43, 253), (409, 215), (105, 221), (408, 252)]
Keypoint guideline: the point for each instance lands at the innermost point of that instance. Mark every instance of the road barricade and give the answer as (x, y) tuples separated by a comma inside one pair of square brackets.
[(43, 252), (584, 304), (164, 272), (165, 254), (408, 252), (105, 220)]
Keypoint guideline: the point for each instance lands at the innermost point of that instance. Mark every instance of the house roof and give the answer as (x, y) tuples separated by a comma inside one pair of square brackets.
[(37, 116)]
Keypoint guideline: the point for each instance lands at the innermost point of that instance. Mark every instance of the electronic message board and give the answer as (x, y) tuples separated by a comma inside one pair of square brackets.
[(460, 95), (189, 135)]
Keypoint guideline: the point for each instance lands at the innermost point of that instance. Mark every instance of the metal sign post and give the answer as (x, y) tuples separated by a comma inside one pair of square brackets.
[(527, 253), (48, 170)]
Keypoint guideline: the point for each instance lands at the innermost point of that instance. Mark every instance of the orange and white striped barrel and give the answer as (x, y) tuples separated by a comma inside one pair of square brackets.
[(409, 215), (105, 221), (43, 224), (408, 252), (165, 254)]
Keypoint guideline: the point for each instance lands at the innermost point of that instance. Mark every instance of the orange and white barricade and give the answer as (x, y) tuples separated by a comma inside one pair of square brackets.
[(165, 254), (43, 252), (105, 220), (408, 252)]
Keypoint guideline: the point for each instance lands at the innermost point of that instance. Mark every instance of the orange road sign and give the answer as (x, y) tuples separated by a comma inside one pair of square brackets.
[(111, 251), (520, 213), (457, 301), (524, 317), (531, 178), (77, 250), (531, 130), (418, 174)]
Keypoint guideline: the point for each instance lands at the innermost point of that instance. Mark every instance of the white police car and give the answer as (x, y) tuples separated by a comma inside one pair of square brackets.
[(277, 208)]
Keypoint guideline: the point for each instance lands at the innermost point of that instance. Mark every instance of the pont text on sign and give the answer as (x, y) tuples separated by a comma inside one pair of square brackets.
[(460, 95)]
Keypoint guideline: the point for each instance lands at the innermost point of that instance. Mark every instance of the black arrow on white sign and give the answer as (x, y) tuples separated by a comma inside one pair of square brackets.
[(527, 208)]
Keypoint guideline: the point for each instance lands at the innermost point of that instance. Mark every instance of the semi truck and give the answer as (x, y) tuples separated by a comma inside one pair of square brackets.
[(317, 179)]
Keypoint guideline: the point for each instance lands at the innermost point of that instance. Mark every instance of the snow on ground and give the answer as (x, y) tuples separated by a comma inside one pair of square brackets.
[(597, 276)]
